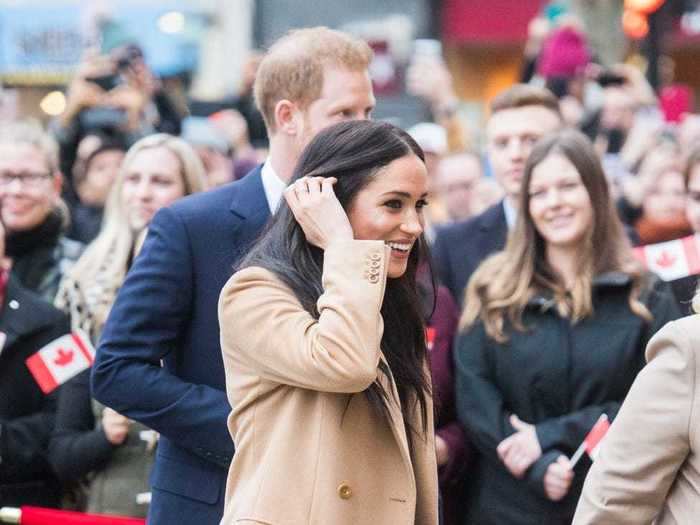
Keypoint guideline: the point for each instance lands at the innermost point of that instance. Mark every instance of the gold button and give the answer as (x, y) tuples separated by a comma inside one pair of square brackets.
[(344, 491)]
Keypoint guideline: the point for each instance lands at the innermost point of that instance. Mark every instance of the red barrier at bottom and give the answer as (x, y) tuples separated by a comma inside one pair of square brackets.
[(42, 516)]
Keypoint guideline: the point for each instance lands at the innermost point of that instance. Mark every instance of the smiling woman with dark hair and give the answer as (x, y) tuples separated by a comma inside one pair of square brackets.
[(324, 347)]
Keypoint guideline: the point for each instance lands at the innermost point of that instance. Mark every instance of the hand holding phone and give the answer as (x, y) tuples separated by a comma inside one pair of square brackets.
[(427, 76), (107, 82)]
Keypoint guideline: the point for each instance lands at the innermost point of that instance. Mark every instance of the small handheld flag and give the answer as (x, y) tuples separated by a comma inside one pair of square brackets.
[(591, 443), (672, 260), (61, 360), (429, 338)]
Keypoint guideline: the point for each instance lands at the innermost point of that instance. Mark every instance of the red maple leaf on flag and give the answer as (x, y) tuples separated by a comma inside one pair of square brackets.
[(63, 357), (666, 260)]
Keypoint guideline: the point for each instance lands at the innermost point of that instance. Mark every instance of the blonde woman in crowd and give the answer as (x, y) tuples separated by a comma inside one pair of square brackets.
[(553, 335), (116, 453), (648, 469), (32, 211)]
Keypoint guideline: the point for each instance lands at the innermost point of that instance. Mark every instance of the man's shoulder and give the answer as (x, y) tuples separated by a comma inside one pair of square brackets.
[(465, 228), (207, 204), (458, 229), (204, 201)]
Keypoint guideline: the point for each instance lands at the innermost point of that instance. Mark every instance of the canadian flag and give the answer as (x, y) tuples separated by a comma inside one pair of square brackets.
[(595, 436), (591, 443), (429, 338), (60, 360), (672, 260)]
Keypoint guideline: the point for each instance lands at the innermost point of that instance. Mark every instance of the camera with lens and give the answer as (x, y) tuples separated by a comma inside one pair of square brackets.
[(104, 118)]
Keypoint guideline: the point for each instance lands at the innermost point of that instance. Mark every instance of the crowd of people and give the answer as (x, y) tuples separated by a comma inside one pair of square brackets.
[(346, 322)]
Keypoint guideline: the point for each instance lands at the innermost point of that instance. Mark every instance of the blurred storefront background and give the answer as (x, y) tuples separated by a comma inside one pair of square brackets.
[(200, 47)]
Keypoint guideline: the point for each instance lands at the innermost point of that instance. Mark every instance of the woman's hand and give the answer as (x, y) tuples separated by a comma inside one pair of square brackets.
[(318, 211), (520, 450), (557, 479), (442, 451), (115, 426)]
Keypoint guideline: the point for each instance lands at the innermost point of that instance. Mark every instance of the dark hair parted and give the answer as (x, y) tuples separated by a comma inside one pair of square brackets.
[(502, 286), (354, 153)]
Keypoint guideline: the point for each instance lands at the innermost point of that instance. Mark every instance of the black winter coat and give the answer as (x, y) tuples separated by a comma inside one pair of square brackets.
[(26, 413), (558, 376), (78, 446)]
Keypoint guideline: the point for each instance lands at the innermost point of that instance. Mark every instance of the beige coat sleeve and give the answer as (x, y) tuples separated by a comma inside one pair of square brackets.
[(649, 439), (265, 329)]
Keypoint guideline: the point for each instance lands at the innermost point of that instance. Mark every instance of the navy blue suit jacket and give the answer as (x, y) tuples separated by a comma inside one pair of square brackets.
[(461, 247), (167, 310)]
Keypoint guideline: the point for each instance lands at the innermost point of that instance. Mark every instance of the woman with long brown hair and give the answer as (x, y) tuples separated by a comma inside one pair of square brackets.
[(553, 335)]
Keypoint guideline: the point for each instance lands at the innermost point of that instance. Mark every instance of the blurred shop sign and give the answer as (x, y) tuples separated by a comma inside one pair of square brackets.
[(39, 45), (492, 22), (168, 32)]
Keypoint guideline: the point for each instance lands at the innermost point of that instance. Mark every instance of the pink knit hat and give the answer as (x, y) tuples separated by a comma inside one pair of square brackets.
[(564, 54)]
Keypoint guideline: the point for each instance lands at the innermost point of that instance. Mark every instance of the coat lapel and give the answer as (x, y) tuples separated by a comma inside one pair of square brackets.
[(249, 204), (494, 229)]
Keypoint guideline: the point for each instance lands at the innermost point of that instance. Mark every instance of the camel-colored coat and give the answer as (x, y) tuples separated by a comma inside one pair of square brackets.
[(648, 469), (309, 448)]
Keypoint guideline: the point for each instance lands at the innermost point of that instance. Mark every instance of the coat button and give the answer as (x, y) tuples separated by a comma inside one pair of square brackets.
[(374, 279), (375, 256), (344, 491)]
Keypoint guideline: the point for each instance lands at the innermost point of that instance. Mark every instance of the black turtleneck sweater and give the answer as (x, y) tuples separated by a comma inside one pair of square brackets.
[(35, 258)]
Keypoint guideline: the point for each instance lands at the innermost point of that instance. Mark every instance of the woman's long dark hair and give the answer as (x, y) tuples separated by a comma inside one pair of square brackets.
[(354, 152)]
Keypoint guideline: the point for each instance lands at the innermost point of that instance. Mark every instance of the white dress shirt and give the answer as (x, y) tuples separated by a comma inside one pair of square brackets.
[(511, 214), (272, 185)]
